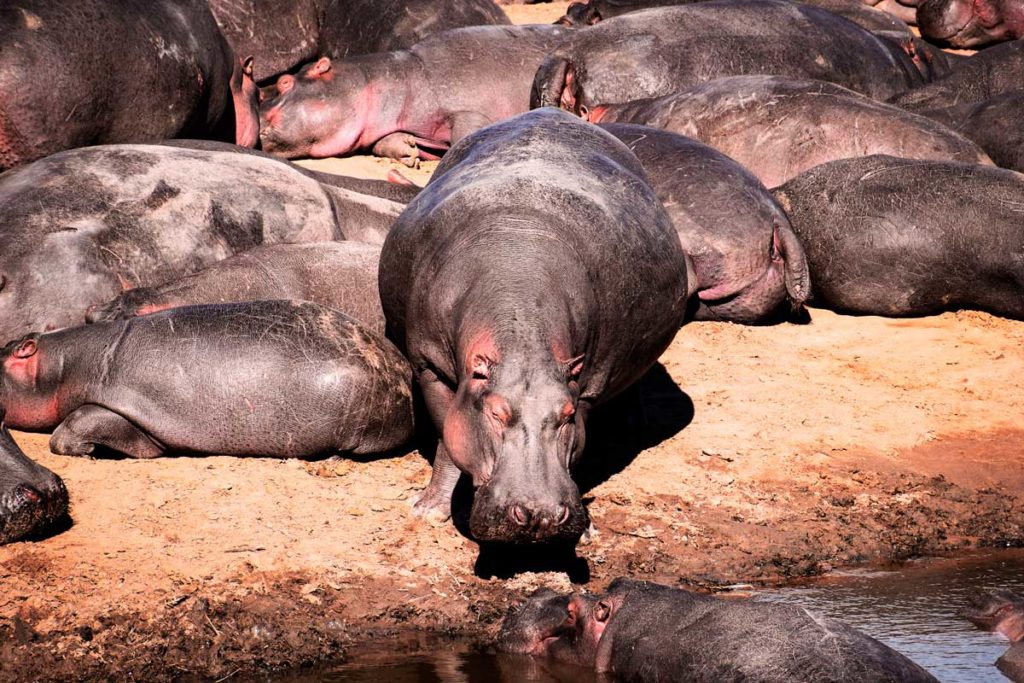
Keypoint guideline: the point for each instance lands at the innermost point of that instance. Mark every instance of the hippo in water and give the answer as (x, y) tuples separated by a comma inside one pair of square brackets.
[(32, 497), (411, 103), (897, 237), (660, 51), (65, 85), (994, 125), (780, 127), (338, 275), (282, 34), (1002, 611), (971, 23), (535, 276), (276, 378), (645, 632), (747, 262), (81, 226)]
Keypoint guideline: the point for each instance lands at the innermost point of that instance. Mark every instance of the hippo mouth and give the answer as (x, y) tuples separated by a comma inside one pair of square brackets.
[(491, 522), (26, 509)]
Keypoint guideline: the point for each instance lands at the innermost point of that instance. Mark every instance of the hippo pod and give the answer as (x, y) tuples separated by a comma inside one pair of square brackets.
[(780, 127), (897, 237), (172, 75), (32, 497), (1002, 611), (644, 632), (535, 276), (274, 378), (971, 23)]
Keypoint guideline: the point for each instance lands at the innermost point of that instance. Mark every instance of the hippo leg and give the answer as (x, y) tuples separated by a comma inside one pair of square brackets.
[(400, 146), (435, 503), (92, 426), (466, 122)]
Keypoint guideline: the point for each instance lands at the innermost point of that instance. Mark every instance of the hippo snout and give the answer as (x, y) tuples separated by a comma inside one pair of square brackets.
[(28, 508), (497, 518)]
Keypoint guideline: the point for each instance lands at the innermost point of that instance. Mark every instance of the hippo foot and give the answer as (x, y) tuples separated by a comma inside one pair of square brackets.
[(92, 426), (400, 146), (589, 535), (28, 509), (431, 507)]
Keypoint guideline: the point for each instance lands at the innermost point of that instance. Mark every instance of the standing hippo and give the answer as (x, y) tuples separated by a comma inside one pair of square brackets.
[(81, 226), (988, 74), (65, 85), (640, 632), (283, 379), (747, 262), (661, 51), (535, 276), (282, 34), (971, 23), (1002, 611), (887, 236), (408, 104), (780, 127), (338, 275), (32, 497), (994, 125)]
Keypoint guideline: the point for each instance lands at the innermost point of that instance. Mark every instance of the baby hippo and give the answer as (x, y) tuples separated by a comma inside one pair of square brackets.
[(274, 378), (640, 632), (1003, 612), (339, 275)]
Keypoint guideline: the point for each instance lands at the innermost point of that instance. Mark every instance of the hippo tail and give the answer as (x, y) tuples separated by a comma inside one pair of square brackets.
[(797, 272), (549, 83)]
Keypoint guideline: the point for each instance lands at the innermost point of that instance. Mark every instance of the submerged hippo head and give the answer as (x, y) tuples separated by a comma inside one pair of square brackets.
[(563, 628), (1001, 611), (516, 425), (245, 97), (31, 496), (970, 23), (320, 112)]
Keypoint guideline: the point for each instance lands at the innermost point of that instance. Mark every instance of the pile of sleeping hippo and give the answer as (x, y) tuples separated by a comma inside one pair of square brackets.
[(602, 181)]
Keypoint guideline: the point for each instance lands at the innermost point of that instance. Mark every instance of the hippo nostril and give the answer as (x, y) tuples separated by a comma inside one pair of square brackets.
[(519, 515), (561, 514), (28, 494)]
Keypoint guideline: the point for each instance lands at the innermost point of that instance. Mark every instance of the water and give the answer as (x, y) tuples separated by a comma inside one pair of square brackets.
[(912, 609)]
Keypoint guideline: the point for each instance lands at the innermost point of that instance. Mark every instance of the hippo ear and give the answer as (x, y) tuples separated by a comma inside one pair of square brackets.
[(26, 349), (322, 66), (480, 366), (247, 66), (602, 610), (285, 83), (573, 367)]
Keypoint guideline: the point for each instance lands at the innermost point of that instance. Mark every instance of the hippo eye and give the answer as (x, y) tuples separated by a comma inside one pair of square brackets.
[(3, 281), (602, 611)]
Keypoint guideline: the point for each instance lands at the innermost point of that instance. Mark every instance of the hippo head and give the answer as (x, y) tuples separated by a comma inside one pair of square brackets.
[(1001, 611), (516, 425), (31, 496), (581, 14), (961, 23), (245, 97), (320, 112), (564, 628)]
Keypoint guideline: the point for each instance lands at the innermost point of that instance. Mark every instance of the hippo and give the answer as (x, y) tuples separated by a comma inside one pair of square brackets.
[(994, 125), (535, 276), (410, 103), (170, 75), (661, 51), (283, 34), (286, 379), (903, 237), (81, 226), (988, 74), (338, 275), (1002, 611), (32, 498), (904, 10), (971, 23), (639, 631), (747, 262), (780, 127)]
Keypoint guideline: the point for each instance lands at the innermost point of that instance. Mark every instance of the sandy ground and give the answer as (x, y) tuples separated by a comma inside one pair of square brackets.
[(748, 454)]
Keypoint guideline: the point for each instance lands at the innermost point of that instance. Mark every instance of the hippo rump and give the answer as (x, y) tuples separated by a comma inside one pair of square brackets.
[(660, 51), (994, 125), (747, 263), (81, 226), (282, 34), (171, 74), (32, 497), (987, 74), (900, 237), (276, 378), (411, 103), (971, 23), (780, 127), (1002, 611), (535, 276), (639, 632), (338, 275)]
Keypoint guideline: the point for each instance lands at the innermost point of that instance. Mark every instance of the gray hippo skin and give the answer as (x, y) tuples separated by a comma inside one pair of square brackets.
[(81, 226), (338, 275), (747, 262), (276, 378), (535, 276), (642, 632), (107, 71), (971, 23), (429, 96), (1002, 611), (994, 125), (899, 237), (779, 127), (32, 497), (660, 51), (987, 74), (282, 34)]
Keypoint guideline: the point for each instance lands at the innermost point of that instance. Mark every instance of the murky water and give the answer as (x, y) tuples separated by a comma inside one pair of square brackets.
[(913, 609)]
